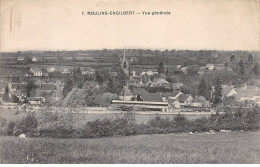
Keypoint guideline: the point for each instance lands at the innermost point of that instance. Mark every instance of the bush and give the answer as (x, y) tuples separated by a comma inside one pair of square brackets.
[(10, 128), (62, 125), (25, 125)]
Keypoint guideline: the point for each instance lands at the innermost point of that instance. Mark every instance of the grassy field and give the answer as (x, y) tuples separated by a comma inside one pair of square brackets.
[(234, 147)]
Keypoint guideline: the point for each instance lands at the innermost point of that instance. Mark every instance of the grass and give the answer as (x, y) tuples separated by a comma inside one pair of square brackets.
[(234, 147)]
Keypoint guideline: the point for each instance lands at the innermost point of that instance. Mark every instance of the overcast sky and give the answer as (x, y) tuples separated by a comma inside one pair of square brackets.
[(193, 24)]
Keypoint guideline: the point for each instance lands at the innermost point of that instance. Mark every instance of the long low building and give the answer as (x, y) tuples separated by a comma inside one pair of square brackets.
[(142, 104)]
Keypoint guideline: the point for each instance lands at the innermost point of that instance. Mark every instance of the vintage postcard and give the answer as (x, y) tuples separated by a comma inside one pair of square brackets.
[(129, 81)]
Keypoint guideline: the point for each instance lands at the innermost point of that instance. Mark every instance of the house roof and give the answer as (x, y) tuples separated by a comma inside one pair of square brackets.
[(182, 98), (137, 91), (40, 93), (155, 97), (159, 81), (34, 99), (226, 90), (36, 69), (199, 99), (248, 92), (19, 92), (170, 94), (126, 91)]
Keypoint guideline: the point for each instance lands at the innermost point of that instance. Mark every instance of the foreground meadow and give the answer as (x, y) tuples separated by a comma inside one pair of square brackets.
[(233, 147)]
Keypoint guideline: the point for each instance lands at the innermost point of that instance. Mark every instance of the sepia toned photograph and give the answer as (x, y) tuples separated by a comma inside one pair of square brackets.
[(129, 82)]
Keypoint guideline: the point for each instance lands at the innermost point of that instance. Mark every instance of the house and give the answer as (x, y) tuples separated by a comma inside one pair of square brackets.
[(51, 69), (64, 71), (89, 71), (151, 97), (21, 58), (176, 71), (246, 93), (35, 100), (174, 103), (178, 66), (40, 94), (200, 101), (228, 91), (48, 86), (136, 91), (18, 93), (135, 82), (36, 72), (157, 82), (185, 99), (34, 59), (17, 86), (149, 72), (171, 95), (177, 86), (210, 66), (126, 94), (134, 74), (184, 70), (181, 100), (203, 70)]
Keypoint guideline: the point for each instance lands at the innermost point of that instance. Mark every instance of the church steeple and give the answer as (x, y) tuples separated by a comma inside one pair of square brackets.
[(125, 64)]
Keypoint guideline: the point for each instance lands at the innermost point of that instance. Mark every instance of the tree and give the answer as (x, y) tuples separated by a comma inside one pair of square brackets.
[(218, 92), (203, 89), (226, 64), (250, 59), (15, 99), (119, 81), (241, 68), (256, 69), (138, 98), (67, 87), (6, 94), (160, 68), (28, 89), (80, 97), (99, 78), (167, 72), (110, 85), (232, 58)]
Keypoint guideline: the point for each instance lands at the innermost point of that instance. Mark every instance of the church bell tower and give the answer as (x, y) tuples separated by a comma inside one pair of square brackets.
[(125, 65)]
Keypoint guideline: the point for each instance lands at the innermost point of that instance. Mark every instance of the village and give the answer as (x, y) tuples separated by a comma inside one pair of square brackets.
[(127, 87)]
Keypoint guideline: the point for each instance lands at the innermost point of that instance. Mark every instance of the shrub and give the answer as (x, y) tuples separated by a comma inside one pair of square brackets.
[(2, 122), (25, 125), (62, 125), (10, 128)]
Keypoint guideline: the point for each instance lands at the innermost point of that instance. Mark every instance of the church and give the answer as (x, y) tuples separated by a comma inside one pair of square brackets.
[(125, 64)]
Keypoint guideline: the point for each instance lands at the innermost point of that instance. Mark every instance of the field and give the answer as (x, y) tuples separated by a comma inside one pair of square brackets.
[(233, 147)]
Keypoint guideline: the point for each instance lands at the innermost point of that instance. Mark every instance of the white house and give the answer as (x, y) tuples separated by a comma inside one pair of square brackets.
[(51, 69), (21, 58), (200, 101), (171, 95), (34, 59), (36, 72), (228, 91), (210, 66), (185, 100), (64, 71), (89, 71), (149, 72), (174, 103)]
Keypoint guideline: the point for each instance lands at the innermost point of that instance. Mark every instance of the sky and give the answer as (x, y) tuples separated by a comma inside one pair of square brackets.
[(192, 24)]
